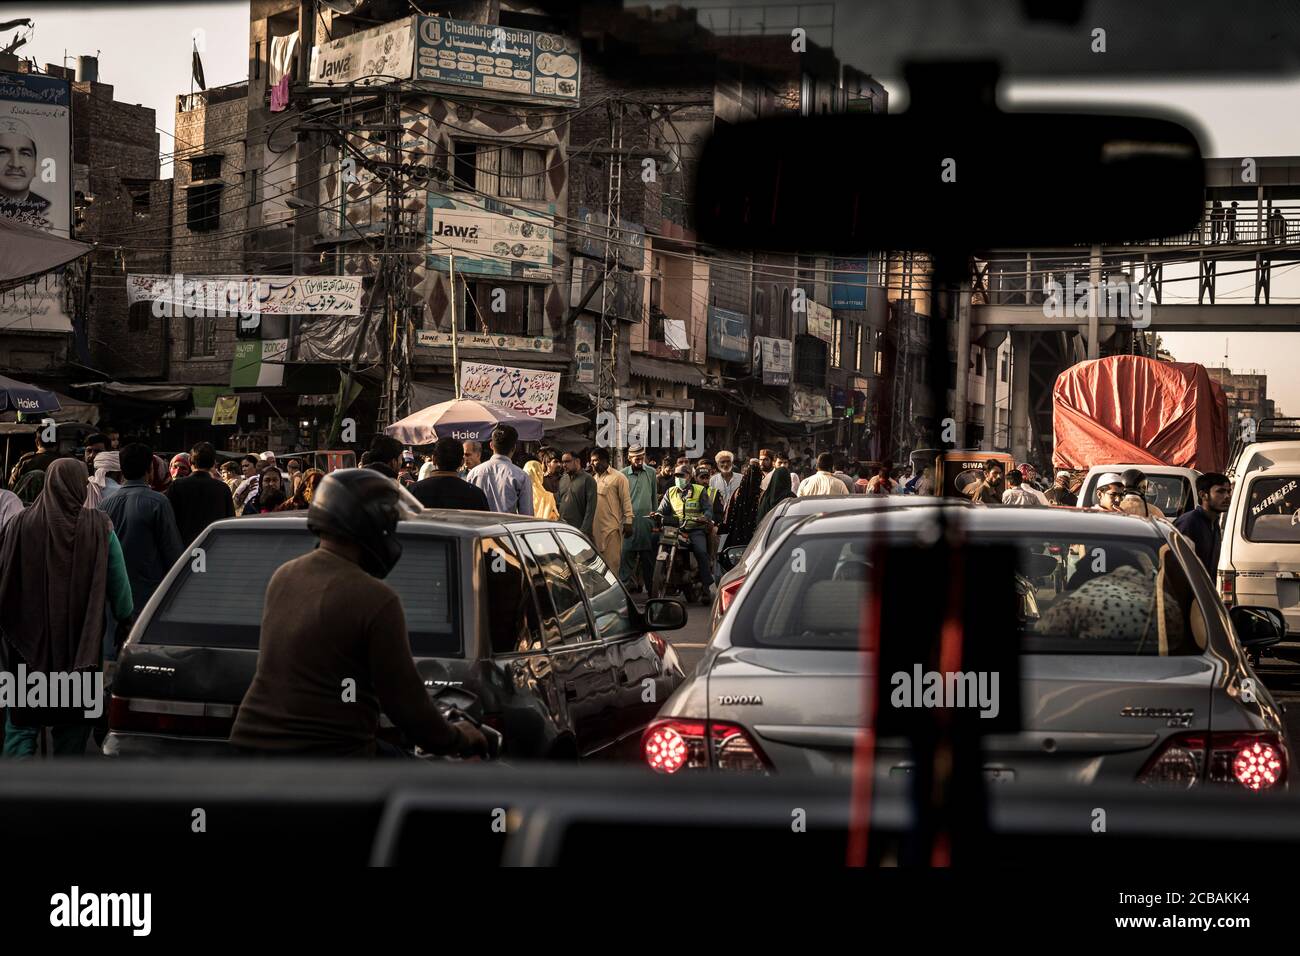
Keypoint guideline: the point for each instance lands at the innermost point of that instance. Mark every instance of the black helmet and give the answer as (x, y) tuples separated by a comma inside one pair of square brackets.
[(362, 506), (1133, 479)]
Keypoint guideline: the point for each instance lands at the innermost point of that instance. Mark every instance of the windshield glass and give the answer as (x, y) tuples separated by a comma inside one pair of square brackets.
[(1272, 510), (237, 566), (1075, 596)]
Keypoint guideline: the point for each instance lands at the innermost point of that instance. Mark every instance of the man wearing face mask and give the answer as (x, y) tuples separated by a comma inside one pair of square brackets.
[(688, 507), (329, 619)]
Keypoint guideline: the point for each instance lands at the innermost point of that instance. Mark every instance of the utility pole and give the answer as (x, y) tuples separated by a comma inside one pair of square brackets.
[(607, 395)]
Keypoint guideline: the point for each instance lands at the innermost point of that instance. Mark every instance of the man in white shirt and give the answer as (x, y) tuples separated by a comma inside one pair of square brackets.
[(1018, 493), (727, 479), (824, 481)]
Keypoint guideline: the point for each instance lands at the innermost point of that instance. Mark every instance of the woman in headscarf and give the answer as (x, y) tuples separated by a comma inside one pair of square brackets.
[(302, 494), (180, 466), (269, 494), (741, 515), (778, 489), (60, 564), (11, 506), (159, 478), (544, 505)]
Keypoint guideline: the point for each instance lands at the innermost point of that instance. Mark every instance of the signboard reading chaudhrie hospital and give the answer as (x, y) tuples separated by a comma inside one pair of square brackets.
[(524, 390), (522, 64)]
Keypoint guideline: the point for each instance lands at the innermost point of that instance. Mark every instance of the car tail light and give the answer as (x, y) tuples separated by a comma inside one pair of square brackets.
[(1228, 587), (728, 593), (182, 718), (1253, 761), (672, 745)]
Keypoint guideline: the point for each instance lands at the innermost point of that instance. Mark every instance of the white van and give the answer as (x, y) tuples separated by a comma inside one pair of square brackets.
[(1169, 488), (1259, 565)]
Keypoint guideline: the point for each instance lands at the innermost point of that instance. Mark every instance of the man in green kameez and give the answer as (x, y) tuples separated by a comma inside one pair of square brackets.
[(639, 549)]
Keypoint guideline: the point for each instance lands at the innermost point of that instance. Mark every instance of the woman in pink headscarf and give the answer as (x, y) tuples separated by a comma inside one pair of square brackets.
[(180, 466)]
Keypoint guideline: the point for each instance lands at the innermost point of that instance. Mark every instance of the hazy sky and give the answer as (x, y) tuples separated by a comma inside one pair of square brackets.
[(144, 51)]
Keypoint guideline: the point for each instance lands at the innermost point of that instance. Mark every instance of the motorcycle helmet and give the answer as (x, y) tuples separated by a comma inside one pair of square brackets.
[(362, 506), (1133, 480)]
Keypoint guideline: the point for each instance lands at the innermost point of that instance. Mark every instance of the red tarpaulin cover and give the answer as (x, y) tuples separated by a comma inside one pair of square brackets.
[(1127, 409)]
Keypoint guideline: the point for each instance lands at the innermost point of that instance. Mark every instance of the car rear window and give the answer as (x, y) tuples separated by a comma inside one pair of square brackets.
[(1169, 493), (1076, 595), (1273, 510), (222, 606)]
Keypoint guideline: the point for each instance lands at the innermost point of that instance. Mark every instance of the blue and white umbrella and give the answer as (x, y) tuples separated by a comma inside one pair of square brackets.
[(16, 396)]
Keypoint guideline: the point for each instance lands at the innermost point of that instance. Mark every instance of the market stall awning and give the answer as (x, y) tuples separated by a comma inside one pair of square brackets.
[(26, 253), (680, 373), (142, 392), (768, 410)]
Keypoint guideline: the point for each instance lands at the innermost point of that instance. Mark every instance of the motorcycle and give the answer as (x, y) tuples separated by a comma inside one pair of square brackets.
[(457, 704), (675, 568)]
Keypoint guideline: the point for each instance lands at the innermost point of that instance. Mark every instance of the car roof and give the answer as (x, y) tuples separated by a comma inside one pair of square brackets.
[(1145, 469), (993, 519), (814, 504), (440, 521)]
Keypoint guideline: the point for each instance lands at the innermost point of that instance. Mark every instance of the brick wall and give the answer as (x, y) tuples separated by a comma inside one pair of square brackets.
[(127, 211), (211, 124)]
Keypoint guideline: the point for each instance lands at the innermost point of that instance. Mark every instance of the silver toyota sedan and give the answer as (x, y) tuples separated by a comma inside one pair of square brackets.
[(1131, 669)]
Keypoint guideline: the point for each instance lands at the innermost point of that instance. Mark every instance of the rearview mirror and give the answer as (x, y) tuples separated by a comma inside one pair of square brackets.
[(1257, 626), (730, 557), (662, 614), (962, 179)]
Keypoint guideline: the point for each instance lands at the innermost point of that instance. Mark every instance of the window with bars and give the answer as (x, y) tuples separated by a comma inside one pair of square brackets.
[(855, 344), (201, 337), (205, 167), (837, 342), (520, 308), (810, 361), (507, 172), (203, 207)]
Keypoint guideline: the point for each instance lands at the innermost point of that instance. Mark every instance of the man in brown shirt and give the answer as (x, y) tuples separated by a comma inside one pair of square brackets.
[(334, 649)]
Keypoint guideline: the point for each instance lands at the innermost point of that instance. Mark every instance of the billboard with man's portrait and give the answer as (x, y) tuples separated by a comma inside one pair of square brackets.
[(36, 187)]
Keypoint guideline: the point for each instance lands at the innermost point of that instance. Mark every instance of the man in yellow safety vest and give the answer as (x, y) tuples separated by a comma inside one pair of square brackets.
[(691, 509)]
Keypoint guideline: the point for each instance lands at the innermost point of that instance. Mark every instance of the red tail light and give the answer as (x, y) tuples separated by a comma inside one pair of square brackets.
[(1253, 761), (181, 718), (1228, 587), (672, 745), (728, 593)]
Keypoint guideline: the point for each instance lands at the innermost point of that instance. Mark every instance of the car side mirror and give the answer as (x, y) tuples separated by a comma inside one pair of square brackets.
[(1257, 626), (730, 557), (662, 614)]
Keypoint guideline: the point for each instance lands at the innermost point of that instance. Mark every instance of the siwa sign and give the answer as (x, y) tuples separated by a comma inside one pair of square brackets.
[(524, 390)]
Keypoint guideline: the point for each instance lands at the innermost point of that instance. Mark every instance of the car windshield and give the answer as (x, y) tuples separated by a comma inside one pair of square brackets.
[(235, 567), (1076, 595)]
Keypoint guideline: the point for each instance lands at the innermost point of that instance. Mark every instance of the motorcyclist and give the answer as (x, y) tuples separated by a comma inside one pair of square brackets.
[(334, 649), (691, 509), (1134, 499)]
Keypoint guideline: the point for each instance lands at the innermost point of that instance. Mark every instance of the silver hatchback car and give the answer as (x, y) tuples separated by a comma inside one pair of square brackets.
[(1131, 669)]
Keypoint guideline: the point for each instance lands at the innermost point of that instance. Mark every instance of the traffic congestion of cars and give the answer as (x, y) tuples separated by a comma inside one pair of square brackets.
[(1134, 663)]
